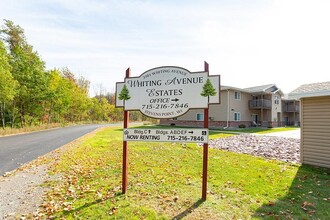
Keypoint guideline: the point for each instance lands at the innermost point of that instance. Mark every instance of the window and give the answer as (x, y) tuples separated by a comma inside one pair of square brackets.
[(276, 101), (175, 119), (200, 117), (237, 95), (237, 116)]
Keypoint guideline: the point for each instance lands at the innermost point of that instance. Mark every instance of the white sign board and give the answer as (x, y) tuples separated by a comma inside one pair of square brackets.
[(167, 135), (167, 92)]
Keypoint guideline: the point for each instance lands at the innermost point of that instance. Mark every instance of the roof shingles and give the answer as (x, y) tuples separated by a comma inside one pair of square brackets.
[(311, 90)]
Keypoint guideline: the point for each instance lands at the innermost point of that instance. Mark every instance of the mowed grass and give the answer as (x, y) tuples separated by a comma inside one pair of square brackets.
[(165, 183), (257, 130)]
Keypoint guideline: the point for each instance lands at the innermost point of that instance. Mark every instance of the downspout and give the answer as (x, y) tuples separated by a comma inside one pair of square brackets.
[(228, 109)]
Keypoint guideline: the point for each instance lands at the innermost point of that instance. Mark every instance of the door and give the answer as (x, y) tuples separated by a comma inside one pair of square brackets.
[(254, 119), (279, 119)]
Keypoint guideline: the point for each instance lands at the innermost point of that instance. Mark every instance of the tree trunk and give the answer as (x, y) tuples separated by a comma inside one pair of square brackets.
[(2, 110), (50, 114), (22, 116)]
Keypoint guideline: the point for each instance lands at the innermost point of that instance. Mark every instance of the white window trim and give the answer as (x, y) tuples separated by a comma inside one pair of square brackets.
[(237, 113), (202, 117), (238, 95)]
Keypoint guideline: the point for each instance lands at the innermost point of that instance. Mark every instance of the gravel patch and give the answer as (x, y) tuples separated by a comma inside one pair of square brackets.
[(269, 147), (21, 193)]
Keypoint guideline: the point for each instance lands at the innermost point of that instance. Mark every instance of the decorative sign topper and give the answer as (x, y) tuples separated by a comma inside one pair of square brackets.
[(168, 92)]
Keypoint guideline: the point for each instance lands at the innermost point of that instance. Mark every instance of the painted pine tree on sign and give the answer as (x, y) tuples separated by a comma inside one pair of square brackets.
[(208, 90), (124, 94)]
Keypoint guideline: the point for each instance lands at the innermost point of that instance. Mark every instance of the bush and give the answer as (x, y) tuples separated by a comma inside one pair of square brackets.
[(242, 126)]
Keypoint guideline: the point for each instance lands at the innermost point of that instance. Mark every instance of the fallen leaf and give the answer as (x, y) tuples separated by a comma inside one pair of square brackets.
[(311, 212), (307, 204), (271, 203)]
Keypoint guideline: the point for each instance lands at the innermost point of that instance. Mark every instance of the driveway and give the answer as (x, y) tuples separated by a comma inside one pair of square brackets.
[(16, 150), (287, 134)]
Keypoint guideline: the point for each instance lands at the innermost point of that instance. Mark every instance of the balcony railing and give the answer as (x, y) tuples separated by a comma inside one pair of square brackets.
[(291, 108), (260, 104)]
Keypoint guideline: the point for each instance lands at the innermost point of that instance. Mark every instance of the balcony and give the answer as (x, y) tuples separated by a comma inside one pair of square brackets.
[(260, 104), (291, 108)]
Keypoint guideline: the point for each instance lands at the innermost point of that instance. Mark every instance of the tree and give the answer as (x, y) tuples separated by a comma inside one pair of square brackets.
[(208, 90), (8, 84), (13, 35), (29, 70), (124, 94), (29, 94)]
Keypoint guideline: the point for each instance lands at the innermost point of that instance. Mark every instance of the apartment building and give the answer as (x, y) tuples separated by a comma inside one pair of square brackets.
[(263, 106), (290, 111)]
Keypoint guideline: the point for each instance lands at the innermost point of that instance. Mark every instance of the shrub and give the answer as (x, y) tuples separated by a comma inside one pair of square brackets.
[(242, 126)]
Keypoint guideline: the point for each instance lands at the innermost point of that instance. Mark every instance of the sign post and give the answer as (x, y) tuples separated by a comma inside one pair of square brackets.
[(167, 92), (205, 146), (125, 146)]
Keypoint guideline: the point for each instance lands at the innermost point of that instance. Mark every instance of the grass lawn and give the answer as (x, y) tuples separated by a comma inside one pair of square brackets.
[(258, 130), (165, 183), (11, 131)]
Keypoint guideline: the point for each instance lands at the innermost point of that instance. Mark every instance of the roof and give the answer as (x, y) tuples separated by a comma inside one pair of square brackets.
[(223, 88), (269, 88), (311, 90), (265, 89)]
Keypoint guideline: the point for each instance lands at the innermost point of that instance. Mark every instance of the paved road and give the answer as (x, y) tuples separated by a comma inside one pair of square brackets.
[(19, 149)]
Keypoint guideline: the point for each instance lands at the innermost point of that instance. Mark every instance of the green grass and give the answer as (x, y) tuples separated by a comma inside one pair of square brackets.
[(165, 183), (10, 131), (257, 130)]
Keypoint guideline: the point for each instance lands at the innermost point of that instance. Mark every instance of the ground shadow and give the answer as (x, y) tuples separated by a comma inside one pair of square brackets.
[(308, 197), (89, 204), (189, 210)]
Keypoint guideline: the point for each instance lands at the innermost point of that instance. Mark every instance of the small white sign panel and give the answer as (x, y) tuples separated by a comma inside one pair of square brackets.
[(167, 92), (167, 135)]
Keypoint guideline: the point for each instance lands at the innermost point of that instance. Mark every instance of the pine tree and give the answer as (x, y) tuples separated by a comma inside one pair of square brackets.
[(124, 94), (208, 89)]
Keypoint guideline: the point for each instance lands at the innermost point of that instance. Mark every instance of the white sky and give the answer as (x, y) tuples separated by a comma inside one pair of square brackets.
[(250, 43)]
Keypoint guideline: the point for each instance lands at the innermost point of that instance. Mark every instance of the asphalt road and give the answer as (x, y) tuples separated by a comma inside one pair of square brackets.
[(19, 149)]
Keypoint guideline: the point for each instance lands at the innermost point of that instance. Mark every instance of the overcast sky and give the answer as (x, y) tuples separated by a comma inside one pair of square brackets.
[(249, 43)]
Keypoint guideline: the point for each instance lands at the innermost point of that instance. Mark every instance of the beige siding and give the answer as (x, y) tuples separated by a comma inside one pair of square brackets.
[(315, 131), (231, 105), (191, 115), (219, 112), (241, 106), (276, 107)]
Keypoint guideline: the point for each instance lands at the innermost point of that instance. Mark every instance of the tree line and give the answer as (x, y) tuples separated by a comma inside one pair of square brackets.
[(32, 95)]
